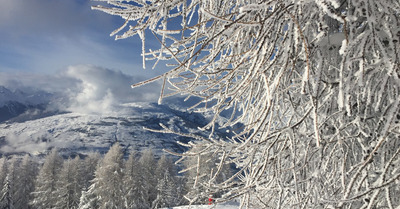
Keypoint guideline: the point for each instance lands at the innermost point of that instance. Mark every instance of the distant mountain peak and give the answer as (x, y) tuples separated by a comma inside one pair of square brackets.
[(35, 97), (14, 103), (6, 95)]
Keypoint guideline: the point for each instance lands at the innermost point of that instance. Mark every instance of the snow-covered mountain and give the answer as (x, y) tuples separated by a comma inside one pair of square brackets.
[(31, 97), (13, 104), (33, 129)]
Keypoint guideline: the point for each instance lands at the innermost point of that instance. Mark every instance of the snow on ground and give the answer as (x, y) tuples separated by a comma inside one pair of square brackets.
[(229, 205), (82, 133)]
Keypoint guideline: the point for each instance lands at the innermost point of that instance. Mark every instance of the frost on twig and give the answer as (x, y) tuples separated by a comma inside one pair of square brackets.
[(309, 89)]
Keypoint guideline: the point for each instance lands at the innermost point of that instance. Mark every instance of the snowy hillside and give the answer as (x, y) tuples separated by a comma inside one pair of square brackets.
[(75, 132), (28, 125)]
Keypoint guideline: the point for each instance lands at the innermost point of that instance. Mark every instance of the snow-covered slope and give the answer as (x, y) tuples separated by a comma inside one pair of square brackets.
[(37, 121), (81, 133)]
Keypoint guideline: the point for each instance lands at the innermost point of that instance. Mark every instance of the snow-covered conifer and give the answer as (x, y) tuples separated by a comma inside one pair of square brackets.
[(3, 171), (167, 194), (9, 190), (134, 195), (169, 189), (69, 184), (89, 198), (148, 168), (107, 184), (24, 184), (6, 195), (165, 164), (44, 195), (88, 168)]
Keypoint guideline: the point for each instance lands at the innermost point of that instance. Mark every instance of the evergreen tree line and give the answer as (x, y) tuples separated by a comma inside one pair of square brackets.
[(109, 181)]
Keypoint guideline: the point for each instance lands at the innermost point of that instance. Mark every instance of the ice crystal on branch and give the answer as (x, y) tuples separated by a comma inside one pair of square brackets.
[(311, 87)]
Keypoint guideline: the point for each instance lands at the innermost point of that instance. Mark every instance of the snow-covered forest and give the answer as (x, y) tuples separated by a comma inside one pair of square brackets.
[(310, 88), (138, 180)]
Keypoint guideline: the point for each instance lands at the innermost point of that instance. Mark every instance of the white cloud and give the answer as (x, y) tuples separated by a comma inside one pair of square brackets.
[(86, 88), (41, 38), (99, 90), (18, 143)]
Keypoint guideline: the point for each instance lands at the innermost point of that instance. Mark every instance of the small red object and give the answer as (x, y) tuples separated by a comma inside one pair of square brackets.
[(210, 199)]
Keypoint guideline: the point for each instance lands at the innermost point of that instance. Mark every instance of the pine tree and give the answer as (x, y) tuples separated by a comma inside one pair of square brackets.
[(133, 184), (107, 186), (69, 185), (167, 193), (148, 165), (6, 198), (169, 188), (44, 195), (3, 171), (89, 166), (88, 197), (24, 185), (9, 190), (165, 164)]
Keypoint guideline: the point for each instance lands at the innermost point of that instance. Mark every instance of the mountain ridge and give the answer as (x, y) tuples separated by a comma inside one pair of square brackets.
[(35, 129)]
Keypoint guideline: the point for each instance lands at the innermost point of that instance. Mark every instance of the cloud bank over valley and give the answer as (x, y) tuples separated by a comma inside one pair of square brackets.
[(83, 88)]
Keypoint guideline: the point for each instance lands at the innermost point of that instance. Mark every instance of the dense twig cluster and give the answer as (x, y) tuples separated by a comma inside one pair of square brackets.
[(311, 87)]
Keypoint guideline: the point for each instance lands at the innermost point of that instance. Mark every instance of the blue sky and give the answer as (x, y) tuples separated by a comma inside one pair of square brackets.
[(45, 36), (42, 40)]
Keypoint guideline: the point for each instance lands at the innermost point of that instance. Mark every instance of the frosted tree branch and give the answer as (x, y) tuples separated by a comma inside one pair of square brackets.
[(311, 89)]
